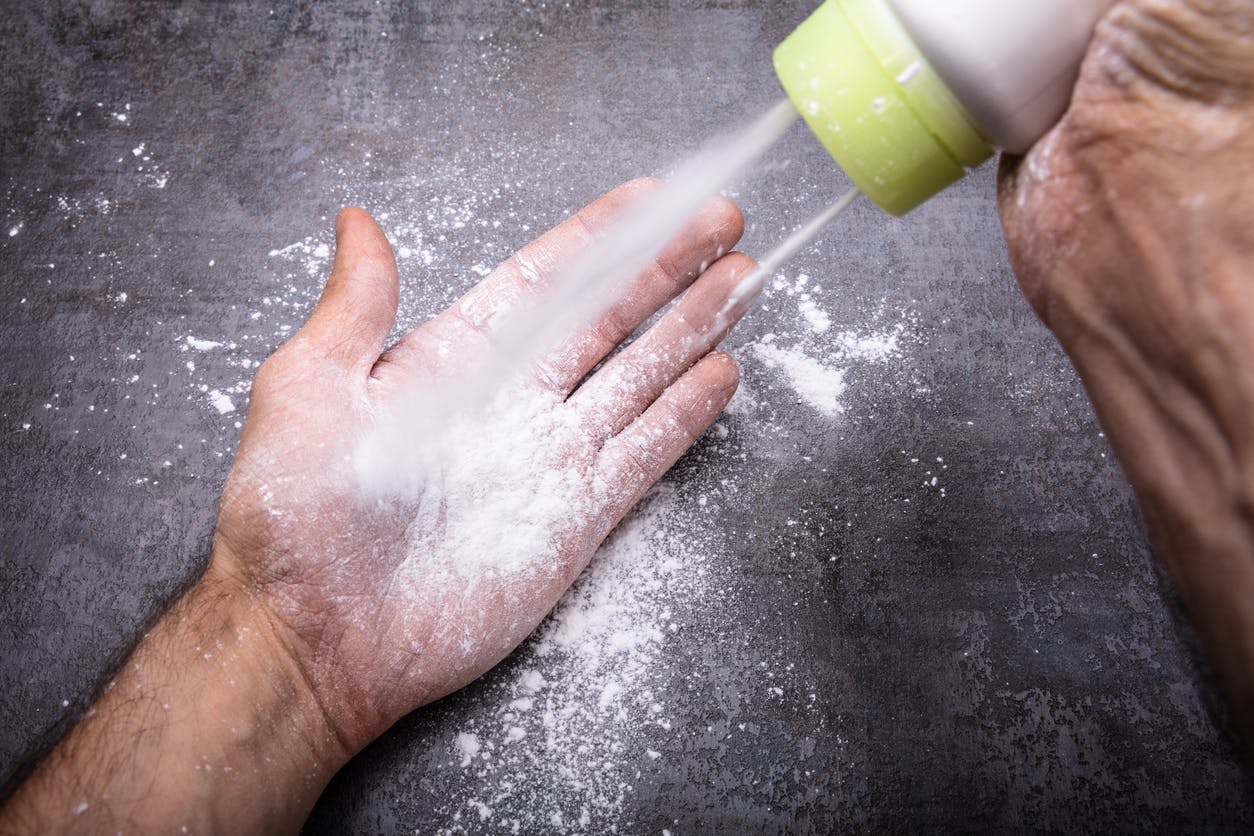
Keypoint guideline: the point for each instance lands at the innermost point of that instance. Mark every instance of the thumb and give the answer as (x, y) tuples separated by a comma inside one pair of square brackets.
[(357, 308)]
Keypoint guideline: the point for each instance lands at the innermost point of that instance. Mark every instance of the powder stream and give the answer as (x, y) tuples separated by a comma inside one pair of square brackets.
[(389, 459), (752, 283)]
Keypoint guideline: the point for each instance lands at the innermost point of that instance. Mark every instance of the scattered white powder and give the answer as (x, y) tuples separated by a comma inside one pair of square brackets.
[(817, 318), (589, 701), (468, 746), (818, 385), (869, 347), (289, 249), (221, 402), (201, 345), (496, 490), (531, 681), (150, 172), (816, 363), (313, 256)]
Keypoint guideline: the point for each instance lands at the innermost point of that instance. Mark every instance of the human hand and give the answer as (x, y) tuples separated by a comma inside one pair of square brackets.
[(1131, 228), (388, 602), (331, 607)]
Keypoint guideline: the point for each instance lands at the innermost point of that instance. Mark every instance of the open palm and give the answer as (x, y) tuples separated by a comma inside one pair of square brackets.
[(390, 599)]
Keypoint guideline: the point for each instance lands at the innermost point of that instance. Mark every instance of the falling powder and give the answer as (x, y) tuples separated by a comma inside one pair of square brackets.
[(501, 488)]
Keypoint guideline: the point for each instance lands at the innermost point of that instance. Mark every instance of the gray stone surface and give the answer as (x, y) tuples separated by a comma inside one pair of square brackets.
[(844, 644)]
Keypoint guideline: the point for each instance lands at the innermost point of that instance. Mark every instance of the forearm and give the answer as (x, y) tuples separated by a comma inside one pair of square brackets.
[(208, 725)]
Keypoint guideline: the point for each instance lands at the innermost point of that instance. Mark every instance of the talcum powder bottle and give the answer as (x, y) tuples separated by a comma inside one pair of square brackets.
[(909, 94)]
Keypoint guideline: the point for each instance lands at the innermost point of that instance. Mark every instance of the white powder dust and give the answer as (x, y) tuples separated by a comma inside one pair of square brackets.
[(201, 345), (221, 402), (588, 703), (496, 489), (816, 362), (817, 318), (467, 746), (817, 384), (871, 348)]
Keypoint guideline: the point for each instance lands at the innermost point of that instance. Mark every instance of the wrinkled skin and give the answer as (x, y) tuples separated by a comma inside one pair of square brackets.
[(1131, 228)]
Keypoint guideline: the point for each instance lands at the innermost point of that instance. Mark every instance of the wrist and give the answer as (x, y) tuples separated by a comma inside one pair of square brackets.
[(306, 639), (242, 736), (326, 645), (208, 725), (232, 696), (259, 645)]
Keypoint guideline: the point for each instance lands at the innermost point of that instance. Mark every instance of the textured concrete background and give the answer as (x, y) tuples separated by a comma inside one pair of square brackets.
[(978, 642)]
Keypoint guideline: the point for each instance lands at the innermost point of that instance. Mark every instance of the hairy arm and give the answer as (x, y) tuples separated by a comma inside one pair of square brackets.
[(208, 726)]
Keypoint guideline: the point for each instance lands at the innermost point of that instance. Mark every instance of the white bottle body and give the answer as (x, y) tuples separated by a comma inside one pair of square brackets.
[(1011, 63)]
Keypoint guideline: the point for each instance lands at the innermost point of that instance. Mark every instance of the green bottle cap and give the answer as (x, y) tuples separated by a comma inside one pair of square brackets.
[(877, 105)]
